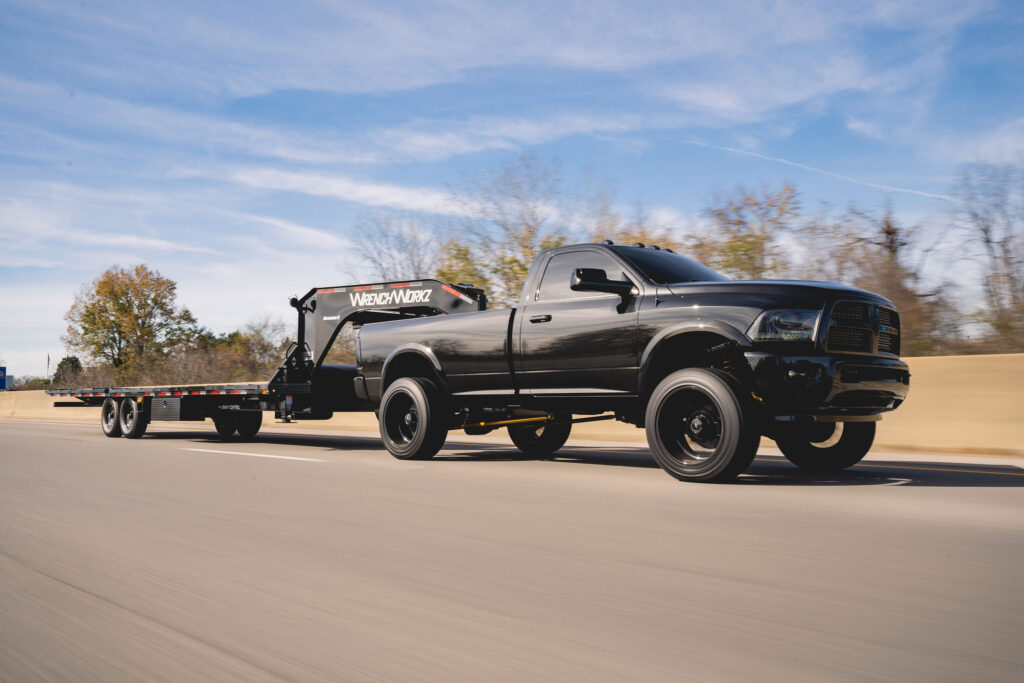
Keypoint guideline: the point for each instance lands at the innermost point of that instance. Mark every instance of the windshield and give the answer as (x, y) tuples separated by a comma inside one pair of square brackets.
[(664, 267)]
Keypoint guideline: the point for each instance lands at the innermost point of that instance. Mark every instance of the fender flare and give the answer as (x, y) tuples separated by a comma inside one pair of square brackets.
[(415, 349), (685, 328)]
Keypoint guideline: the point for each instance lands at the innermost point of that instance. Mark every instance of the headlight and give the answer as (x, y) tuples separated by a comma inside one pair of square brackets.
[(791, 324)]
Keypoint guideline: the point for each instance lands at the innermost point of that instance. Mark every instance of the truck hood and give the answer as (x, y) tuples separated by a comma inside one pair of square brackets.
[(795, 289)]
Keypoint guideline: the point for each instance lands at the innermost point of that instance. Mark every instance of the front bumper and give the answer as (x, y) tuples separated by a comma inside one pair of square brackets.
[(817, 387)]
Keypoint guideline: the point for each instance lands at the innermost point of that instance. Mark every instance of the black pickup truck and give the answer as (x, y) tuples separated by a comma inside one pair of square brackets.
[(706, 365), (601, 331)]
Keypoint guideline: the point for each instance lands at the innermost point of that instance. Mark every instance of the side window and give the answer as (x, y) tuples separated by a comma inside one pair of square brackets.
[(555, 283)]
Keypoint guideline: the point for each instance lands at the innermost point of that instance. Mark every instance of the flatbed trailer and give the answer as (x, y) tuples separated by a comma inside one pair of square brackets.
[(304, 387)]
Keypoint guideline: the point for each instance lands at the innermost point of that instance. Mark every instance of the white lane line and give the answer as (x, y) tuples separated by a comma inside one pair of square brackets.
[(254, 455)]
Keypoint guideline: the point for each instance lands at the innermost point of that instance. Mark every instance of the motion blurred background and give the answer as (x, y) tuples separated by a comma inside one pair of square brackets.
[(243, 156)]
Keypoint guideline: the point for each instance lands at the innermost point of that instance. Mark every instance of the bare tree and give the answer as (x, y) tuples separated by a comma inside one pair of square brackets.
[(747, 227), (395, 246), (599, 219), (991, 210), (506, 218)]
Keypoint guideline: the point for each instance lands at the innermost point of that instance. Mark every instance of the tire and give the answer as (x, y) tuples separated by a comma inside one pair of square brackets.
[(413, 419), (249, 423), (542, 440), (225, 426), (110, 418), (701, 426), (131, 419), (838, 446)]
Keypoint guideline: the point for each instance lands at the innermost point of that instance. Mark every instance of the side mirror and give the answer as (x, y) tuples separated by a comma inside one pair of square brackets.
[(596, 280)]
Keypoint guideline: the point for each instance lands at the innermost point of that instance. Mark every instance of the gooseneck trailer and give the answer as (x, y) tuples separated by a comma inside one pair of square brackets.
[(304, 387), (705, 365)]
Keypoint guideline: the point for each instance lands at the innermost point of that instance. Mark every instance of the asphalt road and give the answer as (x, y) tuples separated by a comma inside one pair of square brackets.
[(321, 558)]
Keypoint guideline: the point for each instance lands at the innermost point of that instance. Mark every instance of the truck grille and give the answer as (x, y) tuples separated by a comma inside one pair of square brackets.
[(850, 312), (849, 339), (889, 343), (859, 327)]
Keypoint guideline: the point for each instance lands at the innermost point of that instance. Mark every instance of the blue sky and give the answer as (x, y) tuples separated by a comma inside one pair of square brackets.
[(234, 146)]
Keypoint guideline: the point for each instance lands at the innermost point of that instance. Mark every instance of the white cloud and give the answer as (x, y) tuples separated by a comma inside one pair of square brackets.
[(870, 129), (1003, 143), (407, 198)]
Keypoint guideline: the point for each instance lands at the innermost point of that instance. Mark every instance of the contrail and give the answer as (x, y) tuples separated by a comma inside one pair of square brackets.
[(840, 176)]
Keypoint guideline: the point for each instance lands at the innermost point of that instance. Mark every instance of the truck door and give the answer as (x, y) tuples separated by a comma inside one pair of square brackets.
[(578, 341)]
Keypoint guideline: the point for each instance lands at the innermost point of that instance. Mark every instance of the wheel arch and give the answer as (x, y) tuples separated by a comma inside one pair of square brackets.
[(693, 345), (412, 360)]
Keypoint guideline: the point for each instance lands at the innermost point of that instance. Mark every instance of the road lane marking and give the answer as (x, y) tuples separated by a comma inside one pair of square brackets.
[(638, 451), (254, 455), (868, 465)]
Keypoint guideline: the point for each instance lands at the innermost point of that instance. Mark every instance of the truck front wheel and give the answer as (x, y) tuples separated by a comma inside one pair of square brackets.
[(826, 447), (701, 425), (109, 418), (541, 440), (413, 419)]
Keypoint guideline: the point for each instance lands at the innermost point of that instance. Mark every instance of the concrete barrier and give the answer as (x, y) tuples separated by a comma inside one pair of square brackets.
[(958, 404)]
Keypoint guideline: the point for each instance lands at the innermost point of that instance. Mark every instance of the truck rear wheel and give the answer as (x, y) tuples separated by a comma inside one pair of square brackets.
[(701, 426), (131, 419), (826, 447), (109, 418), (541, 439), (412, 419)]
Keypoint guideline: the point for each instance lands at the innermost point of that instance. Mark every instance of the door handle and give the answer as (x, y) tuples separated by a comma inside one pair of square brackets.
[(540, 318)]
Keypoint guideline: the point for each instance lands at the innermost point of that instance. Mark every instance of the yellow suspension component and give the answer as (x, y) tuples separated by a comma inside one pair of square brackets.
[(501, 423)]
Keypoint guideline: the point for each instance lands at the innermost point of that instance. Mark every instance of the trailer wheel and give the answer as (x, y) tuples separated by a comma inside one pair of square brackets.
[(541, 439), (109, 418), (701, 426), (131, 420), (827, 447), (249, 423), (412, 419), (225, 427)]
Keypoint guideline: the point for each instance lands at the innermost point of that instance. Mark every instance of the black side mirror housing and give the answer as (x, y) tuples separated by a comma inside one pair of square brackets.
[(596, 280)]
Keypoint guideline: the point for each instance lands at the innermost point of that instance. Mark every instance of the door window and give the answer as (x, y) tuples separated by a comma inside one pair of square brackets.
[(558, 274)]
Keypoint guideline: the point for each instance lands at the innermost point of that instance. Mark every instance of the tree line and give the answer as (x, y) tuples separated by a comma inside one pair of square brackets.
[(967, 298), (125, 327)]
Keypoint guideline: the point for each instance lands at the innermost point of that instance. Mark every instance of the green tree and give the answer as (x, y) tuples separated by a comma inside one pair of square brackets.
[(127, 317), (69, 369), (459, 264)]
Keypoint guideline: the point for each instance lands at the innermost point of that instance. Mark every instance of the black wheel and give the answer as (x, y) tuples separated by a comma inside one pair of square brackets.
[(249, 423), (541, 439), (701, 425), (131, 419), (225, 426), (413, 419), (109, 418), (826, 446)]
